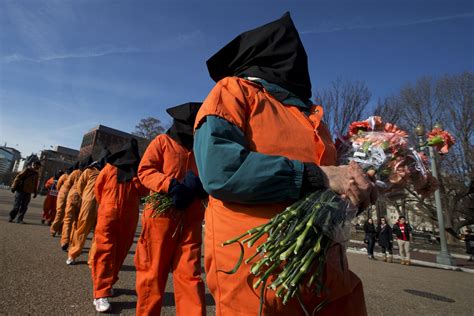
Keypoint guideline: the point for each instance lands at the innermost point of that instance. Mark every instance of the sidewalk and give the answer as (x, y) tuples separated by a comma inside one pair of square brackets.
[(420, 257)]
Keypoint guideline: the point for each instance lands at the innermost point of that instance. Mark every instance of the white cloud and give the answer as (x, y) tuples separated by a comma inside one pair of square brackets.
[(389, 24), (172, 43)]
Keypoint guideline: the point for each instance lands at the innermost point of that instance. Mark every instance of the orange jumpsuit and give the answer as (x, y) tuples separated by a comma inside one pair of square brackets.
[(274, 129), (158, 252), (49, 205), (117, 219), (73, 203), (87, 214), (60, 204)]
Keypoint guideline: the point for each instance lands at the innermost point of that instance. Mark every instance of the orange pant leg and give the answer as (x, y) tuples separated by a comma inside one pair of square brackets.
[(128, 226), (51, 213), (46, 207), (103, 258), (153, 261), (84, 225), (189, 292), (70, 217), (60, 209), (91, 253)]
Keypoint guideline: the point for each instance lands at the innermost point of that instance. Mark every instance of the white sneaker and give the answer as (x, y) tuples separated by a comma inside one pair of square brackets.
[(101, 304), (70, 261)]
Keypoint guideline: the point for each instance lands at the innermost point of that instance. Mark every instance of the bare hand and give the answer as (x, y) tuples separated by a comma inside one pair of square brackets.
[(351, 183)]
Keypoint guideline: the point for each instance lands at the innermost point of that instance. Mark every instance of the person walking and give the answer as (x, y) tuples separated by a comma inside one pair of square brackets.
[(73, 203), (172, 241), (24, 185), (260, 144), (370, 235), (385, 238), (49, 204), (403, 232), (63, 190), (117, 191), (87, 217)]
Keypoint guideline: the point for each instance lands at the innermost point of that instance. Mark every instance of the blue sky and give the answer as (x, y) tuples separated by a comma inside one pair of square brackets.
[(67, 66)]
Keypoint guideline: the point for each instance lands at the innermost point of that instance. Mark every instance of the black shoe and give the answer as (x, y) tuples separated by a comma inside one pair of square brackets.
[(65, 247), (10, 220), (42, 221)]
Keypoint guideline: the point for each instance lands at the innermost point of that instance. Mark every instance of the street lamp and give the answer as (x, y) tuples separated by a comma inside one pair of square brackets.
[(443, 257)]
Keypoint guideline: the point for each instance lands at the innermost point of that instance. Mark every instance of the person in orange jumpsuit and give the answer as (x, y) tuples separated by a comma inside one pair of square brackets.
[(49, 204), (172, 241), (63, 190), (88, 213), (260, 145), (73, 203), (117, 191)]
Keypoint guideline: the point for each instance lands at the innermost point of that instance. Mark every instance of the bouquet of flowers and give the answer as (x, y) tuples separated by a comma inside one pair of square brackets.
[(293, 255), (160, 203)]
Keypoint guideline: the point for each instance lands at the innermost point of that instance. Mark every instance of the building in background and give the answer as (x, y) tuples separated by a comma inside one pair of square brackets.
[(9, 160), (103, 136), (60, 158)]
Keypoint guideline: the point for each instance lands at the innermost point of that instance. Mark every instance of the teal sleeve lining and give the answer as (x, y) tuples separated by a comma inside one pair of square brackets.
[(232, 173)]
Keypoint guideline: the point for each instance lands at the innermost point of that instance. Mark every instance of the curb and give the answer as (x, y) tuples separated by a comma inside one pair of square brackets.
[(433, 252), (417, 262)]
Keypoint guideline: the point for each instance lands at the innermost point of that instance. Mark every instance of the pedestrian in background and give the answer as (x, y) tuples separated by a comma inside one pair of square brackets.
[(370, 235), (24, 184), (469, 241), (385, 237), (403, 232)]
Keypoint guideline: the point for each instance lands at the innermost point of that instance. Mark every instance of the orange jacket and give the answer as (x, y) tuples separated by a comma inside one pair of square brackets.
[(164, 160), (62, 179), (71, 180), (271, 128), (85, 184), (49, 183), (111, 194)]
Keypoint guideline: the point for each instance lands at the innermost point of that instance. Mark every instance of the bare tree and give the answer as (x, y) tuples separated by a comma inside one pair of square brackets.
[(390, 109), (149, 128), (344, 102)]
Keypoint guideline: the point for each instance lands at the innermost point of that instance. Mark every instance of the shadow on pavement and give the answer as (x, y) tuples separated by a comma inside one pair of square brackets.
[(127, 268), (168, 300), (118, 307), (429, 295), (120, 292)]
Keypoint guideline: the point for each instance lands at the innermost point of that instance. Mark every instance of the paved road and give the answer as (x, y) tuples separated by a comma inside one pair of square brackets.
[(34, 278)]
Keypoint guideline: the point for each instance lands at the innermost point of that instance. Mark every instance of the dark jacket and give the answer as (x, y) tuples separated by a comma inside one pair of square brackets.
[(26, 181), (397, 231), (469, 241), (370, 231), (385, 236)]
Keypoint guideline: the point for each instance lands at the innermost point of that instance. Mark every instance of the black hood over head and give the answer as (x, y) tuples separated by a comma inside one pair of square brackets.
[(126, 160), (273, 52), (84, 163), (183, 116), (75, 166), (58, 174), (102, 158), (70, 169)]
